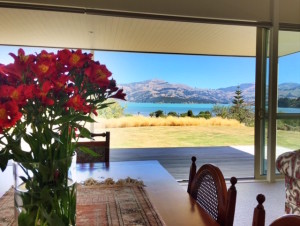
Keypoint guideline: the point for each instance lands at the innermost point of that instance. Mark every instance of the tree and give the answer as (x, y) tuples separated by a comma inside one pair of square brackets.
[(190, 113), (241, 111), (238, 98)]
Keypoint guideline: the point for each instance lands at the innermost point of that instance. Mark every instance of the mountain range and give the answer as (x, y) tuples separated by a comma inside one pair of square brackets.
[(160, 91)]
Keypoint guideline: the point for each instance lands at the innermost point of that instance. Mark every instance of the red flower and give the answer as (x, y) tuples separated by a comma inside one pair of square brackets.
[(14, 72), (44, 69), (20, 65), (9, 114), (2, 73), (45, 65), (18, 94), (22, 58), (98, 74), (119, 95), (73, 59), (45, 56), (22, 61), (60, 83), (42, 93), (78, 103)]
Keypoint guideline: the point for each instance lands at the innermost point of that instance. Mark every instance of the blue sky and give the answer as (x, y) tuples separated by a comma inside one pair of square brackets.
[(196, 71)]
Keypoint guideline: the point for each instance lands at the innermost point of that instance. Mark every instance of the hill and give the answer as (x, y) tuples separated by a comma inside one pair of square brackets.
[(160, 91)]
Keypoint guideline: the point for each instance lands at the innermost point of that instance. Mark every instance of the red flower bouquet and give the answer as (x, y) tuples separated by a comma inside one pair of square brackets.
[(44, 98)]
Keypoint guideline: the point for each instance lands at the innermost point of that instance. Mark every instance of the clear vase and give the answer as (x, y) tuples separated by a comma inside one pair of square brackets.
[(45, 192)]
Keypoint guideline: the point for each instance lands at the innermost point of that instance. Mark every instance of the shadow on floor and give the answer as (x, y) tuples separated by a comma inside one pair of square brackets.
[(231, 161)]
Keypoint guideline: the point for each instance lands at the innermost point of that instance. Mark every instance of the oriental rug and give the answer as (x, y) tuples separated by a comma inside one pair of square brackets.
[(107, 203)]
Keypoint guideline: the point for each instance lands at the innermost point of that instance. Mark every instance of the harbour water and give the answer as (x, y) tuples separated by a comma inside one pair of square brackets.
[(146, 108)]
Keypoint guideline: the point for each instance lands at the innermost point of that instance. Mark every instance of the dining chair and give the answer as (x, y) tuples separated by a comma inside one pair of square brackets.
[(99, 147), (207, 186), (259, 216)]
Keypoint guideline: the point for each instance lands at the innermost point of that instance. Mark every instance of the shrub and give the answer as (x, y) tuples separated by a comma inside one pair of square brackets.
[(204, 114), (173, 113), (157, 114)]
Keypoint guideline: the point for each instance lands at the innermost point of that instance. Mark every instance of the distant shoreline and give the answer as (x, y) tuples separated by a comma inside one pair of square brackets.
[(145, 109)]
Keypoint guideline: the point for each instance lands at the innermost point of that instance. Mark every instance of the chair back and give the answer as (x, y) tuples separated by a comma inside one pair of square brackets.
[(259, 216), (208, 188), (99, 147)]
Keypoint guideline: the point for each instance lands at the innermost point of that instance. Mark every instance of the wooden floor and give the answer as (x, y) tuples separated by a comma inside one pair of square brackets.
[(232, 161)]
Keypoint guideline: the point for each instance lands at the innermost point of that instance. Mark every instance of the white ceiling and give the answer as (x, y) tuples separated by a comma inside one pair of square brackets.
[(73, 30), (58, 29)]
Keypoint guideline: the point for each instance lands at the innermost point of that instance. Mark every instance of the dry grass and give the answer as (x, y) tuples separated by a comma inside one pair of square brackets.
[(142, 121)]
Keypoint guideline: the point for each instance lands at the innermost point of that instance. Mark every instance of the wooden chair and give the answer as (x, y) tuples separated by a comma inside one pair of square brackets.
[(208, 188), (259, 216), (100, 147)]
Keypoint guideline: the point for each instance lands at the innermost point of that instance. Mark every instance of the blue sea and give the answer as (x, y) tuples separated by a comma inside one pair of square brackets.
[(146, 108)]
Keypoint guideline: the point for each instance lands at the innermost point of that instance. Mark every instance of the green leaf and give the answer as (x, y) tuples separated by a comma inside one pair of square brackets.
[(32, 141), (25, 219), (64, 119), (4, 157), (84, 118), (49, 134), (85, 132), (73, 118), (24, 179), (88, 151)]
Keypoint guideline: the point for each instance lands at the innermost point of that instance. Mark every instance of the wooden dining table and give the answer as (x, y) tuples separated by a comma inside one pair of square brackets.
[(169, 198)]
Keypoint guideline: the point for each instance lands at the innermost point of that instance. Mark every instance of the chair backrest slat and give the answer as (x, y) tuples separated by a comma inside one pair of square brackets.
[(208, 188)]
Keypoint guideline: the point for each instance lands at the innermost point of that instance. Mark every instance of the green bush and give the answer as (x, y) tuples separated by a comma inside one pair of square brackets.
[(173, 113), (204, 114), (157, 114), (114, 110)]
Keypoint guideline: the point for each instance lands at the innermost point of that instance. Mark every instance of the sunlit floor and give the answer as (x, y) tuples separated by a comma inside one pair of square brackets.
[(246, 200)]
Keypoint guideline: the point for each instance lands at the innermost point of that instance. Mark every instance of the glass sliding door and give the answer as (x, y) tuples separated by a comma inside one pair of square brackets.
[(284, 131), (288, 110), (262, 100)]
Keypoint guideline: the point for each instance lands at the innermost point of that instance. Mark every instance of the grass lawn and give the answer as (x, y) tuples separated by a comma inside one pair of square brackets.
[(143, 132), (180, 136), (288, 139)]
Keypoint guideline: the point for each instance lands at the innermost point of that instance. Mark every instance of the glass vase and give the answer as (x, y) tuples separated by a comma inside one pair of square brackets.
[(45, 192)]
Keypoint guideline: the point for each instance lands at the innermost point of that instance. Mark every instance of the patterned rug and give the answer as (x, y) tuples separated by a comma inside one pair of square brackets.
[(110, 203)]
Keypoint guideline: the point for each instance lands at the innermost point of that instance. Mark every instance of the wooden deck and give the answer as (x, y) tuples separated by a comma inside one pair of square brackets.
[(232, 161)]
